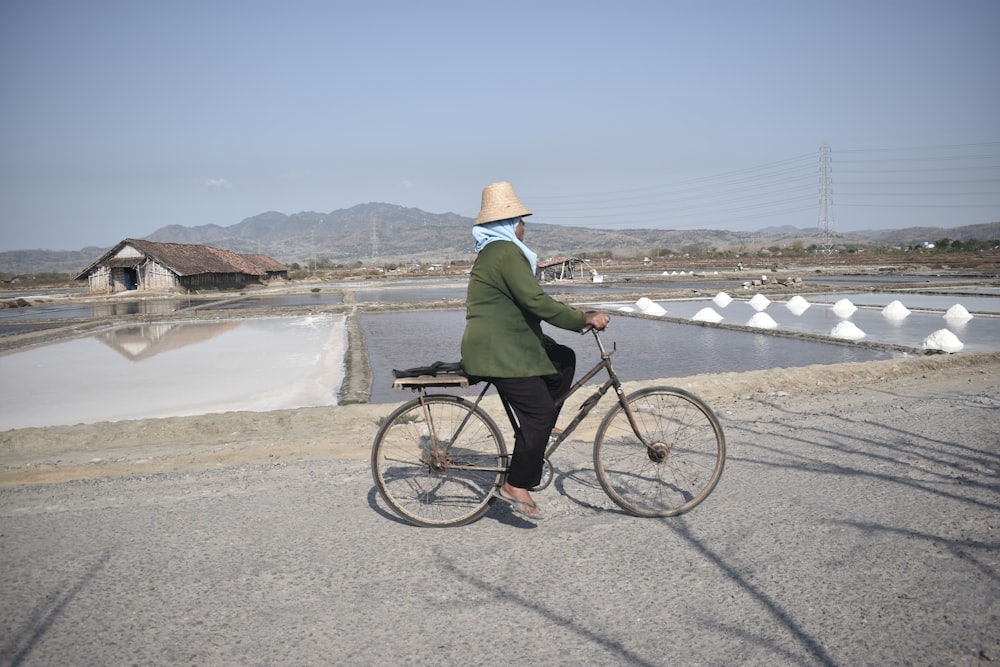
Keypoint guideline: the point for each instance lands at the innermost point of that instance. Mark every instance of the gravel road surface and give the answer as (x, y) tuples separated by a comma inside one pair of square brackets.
[(854, 525)]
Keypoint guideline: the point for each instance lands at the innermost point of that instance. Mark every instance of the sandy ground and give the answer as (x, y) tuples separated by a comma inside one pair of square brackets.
[(113, 449)]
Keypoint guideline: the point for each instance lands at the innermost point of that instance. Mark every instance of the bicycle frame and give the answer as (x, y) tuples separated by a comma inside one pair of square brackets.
[(588, 405)]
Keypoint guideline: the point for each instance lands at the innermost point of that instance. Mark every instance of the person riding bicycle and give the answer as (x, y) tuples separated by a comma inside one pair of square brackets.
[(503, 341)]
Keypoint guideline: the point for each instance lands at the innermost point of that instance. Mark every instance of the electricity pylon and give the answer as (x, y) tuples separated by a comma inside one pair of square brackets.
[(825, 200)]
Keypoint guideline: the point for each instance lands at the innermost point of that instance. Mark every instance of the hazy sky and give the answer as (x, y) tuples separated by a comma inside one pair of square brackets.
[(120, 116)]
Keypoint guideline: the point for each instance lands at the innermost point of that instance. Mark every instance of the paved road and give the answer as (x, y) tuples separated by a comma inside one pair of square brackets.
[(862, 532)]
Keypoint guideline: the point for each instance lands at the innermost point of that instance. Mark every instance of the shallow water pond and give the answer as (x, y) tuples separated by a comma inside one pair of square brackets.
[(979, 334), (646, 349), (175, 369)]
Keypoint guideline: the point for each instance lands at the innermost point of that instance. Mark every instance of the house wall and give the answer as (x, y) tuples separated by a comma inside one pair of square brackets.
[(217, 281), (99, 280), (155, 276), (150, 275)]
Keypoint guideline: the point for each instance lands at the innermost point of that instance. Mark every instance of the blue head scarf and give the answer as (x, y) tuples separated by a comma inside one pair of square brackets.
[(502, 230)]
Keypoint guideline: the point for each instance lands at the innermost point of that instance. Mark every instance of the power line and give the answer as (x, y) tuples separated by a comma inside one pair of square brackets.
[(916, 176)]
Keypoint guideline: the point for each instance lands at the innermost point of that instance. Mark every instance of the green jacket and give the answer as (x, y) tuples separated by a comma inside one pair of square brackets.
[(504, 310)]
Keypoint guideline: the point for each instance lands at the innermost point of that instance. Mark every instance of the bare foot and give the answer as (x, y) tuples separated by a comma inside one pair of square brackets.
[(521, 501)]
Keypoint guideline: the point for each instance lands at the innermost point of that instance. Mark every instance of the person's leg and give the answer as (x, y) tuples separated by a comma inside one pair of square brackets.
[(532, 405), (564, 360)]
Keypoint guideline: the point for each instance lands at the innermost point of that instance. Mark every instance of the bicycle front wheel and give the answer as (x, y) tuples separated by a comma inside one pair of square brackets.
[(437, 461), (669, 462)]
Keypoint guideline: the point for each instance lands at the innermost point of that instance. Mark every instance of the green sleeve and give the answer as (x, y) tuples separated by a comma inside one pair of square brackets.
[(530, 296)]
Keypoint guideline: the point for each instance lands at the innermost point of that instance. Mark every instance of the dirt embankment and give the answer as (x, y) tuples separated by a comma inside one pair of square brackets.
[(61, 453)]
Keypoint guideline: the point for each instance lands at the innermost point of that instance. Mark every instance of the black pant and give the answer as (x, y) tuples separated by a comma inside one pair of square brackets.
[(533, 400)]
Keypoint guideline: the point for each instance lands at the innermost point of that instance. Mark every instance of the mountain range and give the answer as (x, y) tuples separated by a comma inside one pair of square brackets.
[(382, 233)]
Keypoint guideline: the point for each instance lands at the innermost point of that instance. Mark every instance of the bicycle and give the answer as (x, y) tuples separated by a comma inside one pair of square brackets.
[(438, 458)]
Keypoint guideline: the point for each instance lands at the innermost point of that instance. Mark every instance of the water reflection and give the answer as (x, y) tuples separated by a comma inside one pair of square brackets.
[(145, 340), (188, 369), (97, 309)]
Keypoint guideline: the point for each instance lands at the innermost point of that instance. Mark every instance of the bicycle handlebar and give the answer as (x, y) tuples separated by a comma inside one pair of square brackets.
[(587, 328)]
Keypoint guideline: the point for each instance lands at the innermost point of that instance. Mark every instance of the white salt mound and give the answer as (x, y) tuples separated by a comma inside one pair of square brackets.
[(762, 321), (847, 331), (895, 311), (649, 307), (626, 309), (759, 302), (797, 305), (722, 300), (958, 313), (707, 315), (844, 308), (944, 340)]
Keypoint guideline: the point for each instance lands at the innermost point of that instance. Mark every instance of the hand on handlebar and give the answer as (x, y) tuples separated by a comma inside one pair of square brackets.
[(598, 320)]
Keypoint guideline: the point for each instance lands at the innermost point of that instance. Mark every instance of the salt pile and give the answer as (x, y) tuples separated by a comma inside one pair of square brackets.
[(722, 300), (762, 321), (707, 315), (797, 305), (844, 308), (648, 307), (944, 340), (847, 331), (958, 313), (895, 311), (759, 302), (626, 309)]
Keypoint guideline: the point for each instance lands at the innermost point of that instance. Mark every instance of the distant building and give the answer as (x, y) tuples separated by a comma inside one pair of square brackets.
[(558, 268), (135, 264)]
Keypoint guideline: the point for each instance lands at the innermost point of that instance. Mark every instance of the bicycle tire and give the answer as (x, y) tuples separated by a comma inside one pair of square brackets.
[(445, 485), (677, 468)]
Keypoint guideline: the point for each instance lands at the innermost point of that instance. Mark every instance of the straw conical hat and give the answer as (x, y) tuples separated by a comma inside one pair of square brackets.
[(500, 203)]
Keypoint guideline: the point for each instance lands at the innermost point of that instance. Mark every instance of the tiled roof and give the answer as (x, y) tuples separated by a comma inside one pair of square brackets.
[(265, 263), (186, 259)]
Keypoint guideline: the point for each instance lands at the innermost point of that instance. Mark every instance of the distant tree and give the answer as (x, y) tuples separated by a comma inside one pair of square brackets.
[(693, 250)]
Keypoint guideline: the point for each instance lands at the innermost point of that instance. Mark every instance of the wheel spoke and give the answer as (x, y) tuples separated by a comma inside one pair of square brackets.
[(437, 463), (676, 463)]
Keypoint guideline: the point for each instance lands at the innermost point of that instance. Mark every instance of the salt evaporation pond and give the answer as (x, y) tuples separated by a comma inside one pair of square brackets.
[(978, 334), (141, 371), (175, 369), (975, 304), (646, 349), (307, 299), (57, 311)]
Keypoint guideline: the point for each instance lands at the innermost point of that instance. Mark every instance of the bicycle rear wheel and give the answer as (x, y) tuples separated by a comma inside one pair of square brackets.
[(436, 462), (680, 462)]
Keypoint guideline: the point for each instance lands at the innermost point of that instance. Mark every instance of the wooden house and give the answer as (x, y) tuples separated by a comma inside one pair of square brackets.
[(558, 268), (134, 264)]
